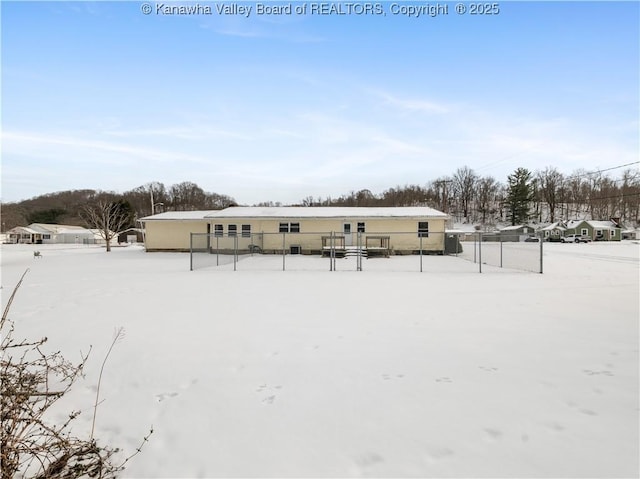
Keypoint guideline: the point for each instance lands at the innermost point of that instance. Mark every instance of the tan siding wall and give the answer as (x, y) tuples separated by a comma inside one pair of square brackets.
[(172, 235), (403, 232)]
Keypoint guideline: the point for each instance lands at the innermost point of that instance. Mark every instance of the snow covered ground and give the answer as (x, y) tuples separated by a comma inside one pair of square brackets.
[(382, 373)]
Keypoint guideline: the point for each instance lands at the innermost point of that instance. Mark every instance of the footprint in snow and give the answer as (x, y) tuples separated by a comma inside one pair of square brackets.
[(163, 396), (444, 380)]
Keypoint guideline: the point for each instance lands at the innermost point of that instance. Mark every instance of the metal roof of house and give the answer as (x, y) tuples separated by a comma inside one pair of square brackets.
[(23, 229), (74, 231), (300, 212), (179, 215), (553, 226), (602, 224), (326, 212), (54, 228), (593, 223), (516, 227)]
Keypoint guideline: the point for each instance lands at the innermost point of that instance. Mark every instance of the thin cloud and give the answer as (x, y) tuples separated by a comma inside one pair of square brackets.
[(40, 145), (412, 104), (181, 133)]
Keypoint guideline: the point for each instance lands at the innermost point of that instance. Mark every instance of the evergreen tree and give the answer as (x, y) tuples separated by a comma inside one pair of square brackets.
[(519, 195)]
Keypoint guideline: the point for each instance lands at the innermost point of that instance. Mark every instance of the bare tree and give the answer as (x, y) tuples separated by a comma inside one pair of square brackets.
[(550, 184), (487, 191), (630, 196), (110, 218), (186, 196), (464, 183)]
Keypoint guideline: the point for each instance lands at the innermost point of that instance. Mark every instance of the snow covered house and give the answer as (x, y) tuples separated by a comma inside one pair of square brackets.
[(597, 230), (41, 233), (631, 234), (304, 230), (516, 233), (24, 234), (553, 232)]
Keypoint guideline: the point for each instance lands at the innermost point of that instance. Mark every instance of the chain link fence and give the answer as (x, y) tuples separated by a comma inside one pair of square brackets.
[(331, 251), (504, 250)]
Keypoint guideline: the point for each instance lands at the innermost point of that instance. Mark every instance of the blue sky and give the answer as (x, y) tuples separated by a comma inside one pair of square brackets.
[(276, 108)]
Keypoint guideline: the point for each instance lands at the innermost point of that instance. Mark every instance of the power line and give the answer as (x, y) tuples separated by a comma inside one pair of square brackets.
[(589, 173)]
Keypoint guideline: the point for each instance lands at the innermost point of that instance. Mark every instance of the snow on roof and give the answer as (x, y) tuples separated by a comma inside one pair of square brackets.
[(73, 231), (325, 212), (553, 226), (593, 223), (602, 224), (53, 228), (465, 227), (516, 227), (24, 229), (571, 224), (179, 215)]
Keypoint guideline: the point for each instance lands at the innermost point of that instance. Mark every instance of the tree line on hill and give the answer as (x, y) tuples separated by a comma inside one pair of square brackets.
[(541, 196), (69, 207)]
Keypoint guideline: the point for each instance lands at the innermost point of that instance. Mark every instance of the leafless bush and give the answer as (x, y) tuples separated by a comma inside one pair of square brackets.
[(31, 382)]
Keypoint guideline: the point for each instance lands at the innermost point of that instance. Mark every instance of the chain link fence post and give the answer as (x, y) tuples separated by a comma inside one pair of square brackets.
[(480, 252), (541, 255), (190, 251), (283, 251), (235, 253)]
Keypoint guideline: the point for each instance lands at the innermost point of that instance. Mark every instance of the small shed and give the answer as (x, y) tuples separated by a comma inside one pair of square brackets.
[(131, 235)]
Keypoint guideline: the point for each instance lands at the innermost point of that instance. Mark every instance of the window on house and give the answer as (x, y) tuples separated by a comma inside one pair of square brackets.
[(612, 233), (46, 237), (233, 230), (246, 231), (284, 228), (598, 233), (423, 229), (584, 231), (361, 227), (294, 227), (218, 230), (546, 233)]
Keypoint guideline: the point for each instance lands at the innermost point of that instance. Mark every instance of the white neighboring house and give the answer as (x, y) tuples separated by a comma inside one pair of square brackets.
[(631, 234), (41, 233), (98, 237), (24, 234)]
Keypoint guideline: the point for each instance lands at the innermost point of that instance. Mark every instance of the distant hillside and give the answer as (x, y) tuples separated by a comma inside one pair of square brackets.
[(65, 207), (59, 208)]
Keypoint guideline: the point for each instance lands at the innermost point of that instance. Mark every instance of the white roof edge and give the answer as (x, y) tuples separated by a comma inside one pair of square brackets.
[(300, 212), (327, 212)]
